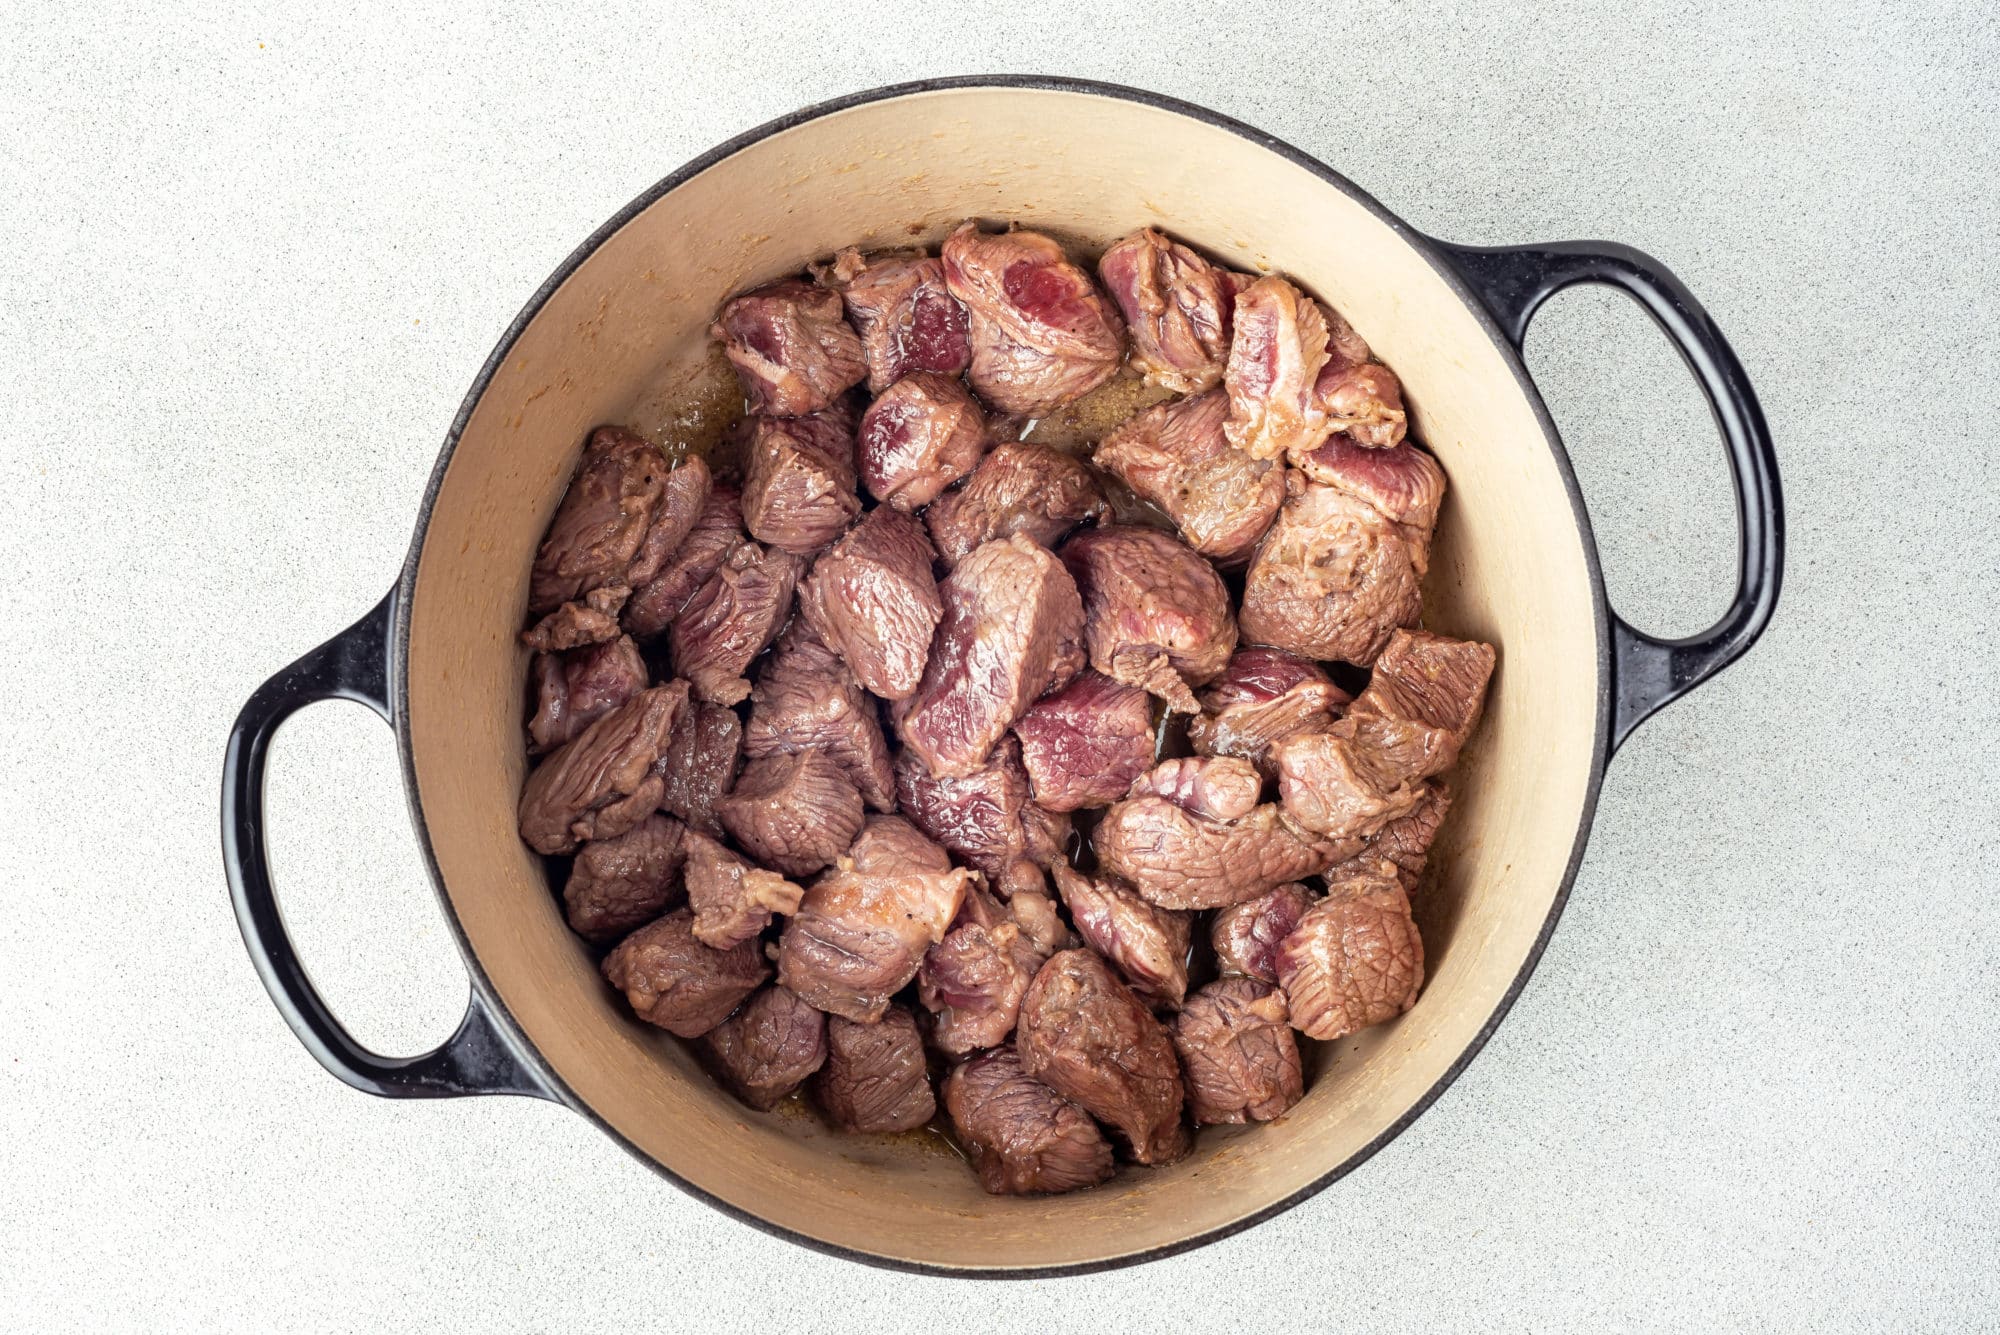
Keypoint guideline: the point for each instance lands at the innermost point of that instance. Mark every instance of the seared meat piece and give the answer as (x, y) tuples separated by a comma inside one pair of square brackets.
[(798, 483), (1237, 1049), (1042, 334), (876, 1077), (1402, 484), (974, 979), (620, 884), (602, 519), (1155, 615), (1148, 944), (1246, 935), (717, 531), (922, 435), (873, 599), (1263, 697), (573, 691), (1359, 396), (1193, 836), (674, 981), (1422, 702), (1086, 1036), (1274, 364), (732, 899), (1331, 579), (791, 348), (1355, 958), (576, 625), (1024, 1137), (731, 619), (796, 813), (807, 700), (700, 765), (986, 817), (1405, 841), (907, 319), (602, 784), (767, 1049), (1012, 630), (1177, 306), (1082, 746), (1339, 787), (863, 928), (1176, 456), (1019, 488), (683, 497)]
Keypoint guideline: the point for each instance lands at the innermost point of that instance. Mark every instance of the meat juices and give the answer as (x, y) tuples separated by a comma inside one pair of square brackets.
[(1273, 369), (795, 813), (1355, 959), (1177, 308), (717, 532), (874, 601), (1022, 488), (1177, 456), (1156, 615), (1359, 396), (674, 981), (1332, 578), (1012, 630), (791, 346), (699, 765), (733, 618), (907, 319), (1262, 698), (1246, 935), (1024, 1137), (574, 690), (798, 484), (602, 519), (973, 980), (1042, 334), (1236, 1046), (876, 1077), (1148, 944), (1083, 746), (1086, 1036), (767, 1049), (732, 899), (922, 435), (602, 784), (807, 700), (620, 884), (986, 817)]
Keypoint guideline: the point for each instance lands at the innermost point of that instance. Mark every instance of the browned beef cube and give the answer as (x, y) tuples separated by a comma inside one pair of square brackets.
[(973, 980), (986, 817), (1024, 1137), (1086, 1036), (1275, 357), (1177, 308), (1155, 614), (791, 346), (717, 532), (592, 619), (602, 520), (732, 899), (1361, 397), (1020, 487), (733, 618), (807, 700), (574, 690), (907, 319), (602, 784), (1263, 697), (1333, 578), (618, 885), (793, 813), (1422, 703), (1405, 841), (700, 765), (1355, 958), (874, 601), (798, 482), (923, 434), (1246, 935), (1237, 1049), (674, 981), (1083, 746), (876, 1077), (1176, 456), (1042, 334), (1148, 944), (1339, 787), (767, 1048)]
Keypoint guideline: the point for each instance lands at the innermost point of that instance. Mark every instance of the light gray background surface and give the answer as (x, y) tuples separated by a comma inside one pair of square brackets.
[(248, 266)]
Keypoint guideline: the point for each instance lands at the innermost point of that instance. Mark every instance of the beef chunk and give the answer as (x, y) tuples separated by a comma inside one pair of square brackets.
[(717, 532), (791, 348), (731, 619), (1042, 334), (1405, 841), (617, 885), (1193, 836), (798, 481), (1019, 488), (876, 1077), (795, 813), (1176, 456), (1355, 958), (986, 817), (1155, 615), (807, 700), (1177, 307), (1422, 702), (874, 601), (863, 928), (573, 691), (1024, 1138), (1086, 1036), (1273, 370), (1359, 396), (1083, 745), (732, 899), (973, 980), (674, 981), (602, 520), (1338, 787), (577, 625), (1262, 698), (602, 784), (907, 319), (1332, 579), (1246, 935), (699, 765), (922, 435), (1012, 630), (1402, 484), (683, 496), (1236, 1046), (767, 1049), (1149, 944)]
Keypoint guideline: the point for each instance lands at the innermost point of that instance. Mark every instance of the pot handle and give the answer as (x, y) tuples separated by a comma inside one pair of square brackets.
[(477, 1059), (1648, 672)]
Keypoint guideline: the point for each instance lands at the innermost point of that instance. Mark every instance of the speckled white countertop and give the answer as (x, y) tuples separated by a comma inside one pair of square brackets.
[(250, 264)]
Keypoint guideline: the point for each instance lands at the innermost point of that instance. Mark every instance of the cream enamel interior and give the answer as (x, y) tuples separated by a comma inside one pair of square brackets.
[(1510, 568)]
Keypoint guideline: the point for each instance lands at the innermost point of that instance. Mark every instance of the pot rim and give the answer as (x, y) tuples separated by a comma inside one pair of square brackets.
[(510, 1029)]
